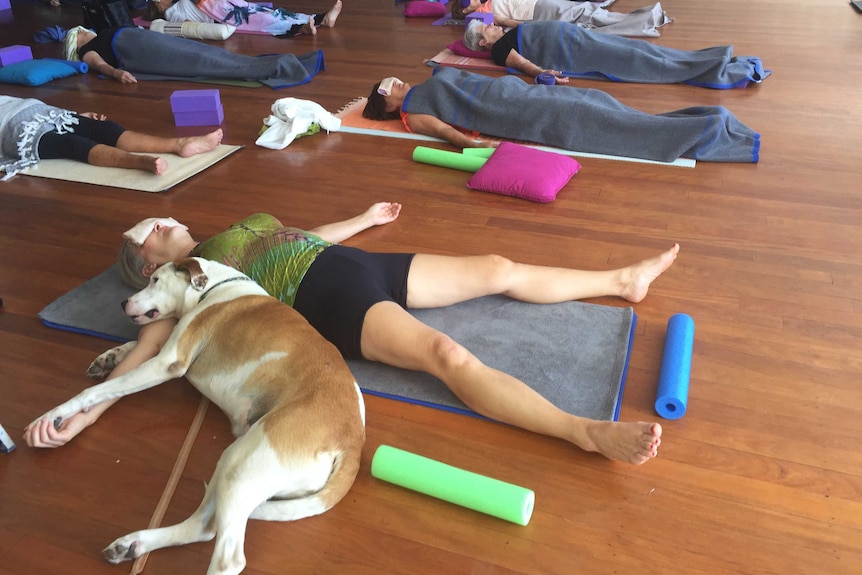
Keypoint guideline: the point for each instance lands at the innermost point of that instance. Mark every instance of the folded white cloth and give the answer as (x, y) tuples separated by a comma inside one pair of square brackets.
[(141, 231), (291, 117), (196, 30)]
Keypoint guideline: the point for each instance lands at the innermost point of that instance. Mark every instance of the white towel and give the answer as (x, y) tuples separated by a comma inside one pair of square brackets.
[(291, 117)]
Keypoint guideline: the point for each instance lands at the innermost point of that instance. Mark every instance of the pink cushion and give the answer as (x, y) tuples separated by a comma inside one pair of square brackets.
[(459, 49), (528, 173), (422, 9)]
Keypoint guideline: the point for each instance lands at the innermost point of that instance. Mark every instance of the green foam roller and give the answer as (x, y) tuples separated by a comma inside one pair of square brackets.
[(447, 159), (479, 152), (465, 488)]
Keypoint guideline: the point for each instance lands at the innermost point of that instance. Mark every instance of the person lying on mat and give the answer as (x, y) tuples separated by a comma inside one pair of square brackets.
[(358, 301), (247, 16), (591, 15), (31, 130), (565, 49), (120, 53), (570, 118)]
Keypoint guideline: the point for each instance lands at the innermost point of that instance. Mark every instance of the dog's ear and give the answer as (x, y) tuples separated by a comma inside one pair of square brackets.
[(197, 277)]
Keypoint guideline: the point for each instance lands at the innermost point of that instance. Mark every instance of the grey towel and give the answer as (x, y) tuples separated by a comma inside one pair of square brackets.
[(582, 120), (150, 56), (574, 354), (582, 53)]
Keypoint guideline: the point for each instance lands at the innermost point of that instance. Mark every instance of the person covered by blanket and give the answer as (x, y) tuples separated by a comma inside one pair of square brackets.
[(591, 15), (31, 130), (358, 300), (463, 108), (565, 49), (120, 53), (244, 15)]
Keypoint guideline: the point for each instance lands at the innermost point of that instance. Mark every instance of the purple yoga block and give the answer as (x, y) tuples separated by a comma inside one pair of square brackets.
[(200, 118), (12, 54), (195, 101), (485, 17), (5, 5)]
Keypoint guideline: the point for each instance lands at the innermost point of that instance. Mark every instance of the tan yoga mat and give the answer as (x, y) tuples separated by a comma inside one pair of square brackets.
[(447, 57), (352, 122), (179, 170)]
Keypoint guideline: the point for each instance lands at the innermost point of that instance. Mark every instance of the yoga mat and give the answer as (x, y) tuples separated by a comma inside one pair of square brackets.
[(574, 354), (461, 487), (447, 57), (672, 397), (453, 160), (179, 170), (352, 122)]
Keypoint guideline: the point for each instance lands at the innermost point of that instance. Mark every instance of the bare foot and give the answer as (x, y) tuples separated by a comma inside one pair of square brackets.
[(194, 145), (332, 15), (630, 442), (309, 28), (635, 279), (159, 166)]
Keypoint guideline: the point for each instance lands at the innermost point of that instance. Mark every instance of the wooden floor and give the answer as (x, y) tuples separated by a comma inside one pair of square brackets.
[(762, 475)]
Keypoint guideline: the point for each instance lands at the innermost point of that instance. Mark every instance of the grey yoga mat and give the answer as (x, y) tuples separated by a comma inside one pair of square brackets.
[(574, 354)]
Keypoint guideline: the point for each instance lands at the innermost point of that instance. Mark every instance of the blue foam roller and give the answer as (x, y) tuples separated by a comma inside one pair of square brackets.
[(672, 397), (80, 67)]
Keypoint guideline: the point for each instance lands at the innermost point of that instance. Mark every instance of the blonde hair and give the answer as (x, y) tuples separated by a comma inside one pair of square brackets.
[(70, 50), (132, 263)]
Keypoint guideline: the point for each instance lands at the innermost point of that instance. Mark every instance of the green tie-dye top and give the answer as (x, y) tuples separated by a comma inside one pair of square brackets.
[(275, 256)]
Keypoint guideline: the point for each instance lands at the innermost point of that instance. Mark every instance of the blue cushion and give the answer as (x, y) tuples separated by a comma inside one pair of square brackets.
[(35, 72)]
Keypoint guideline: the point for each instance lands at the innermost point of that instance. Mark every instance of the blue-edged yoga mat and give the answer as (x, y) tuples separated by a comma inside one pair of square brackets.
[(575, 354)]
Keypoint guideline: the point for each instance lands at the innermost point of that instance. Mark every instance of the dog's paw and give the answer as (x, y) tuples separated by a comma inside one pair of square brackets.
[(123, 549), (103, 365)]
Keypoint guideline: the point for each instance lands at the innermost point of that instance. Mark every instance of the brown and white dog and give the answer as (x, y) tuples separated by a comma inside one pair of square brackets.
[(293, 403)]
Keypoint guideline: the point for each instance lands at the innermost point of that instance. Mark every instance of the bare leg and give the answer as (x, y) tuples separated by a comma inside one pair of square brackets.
[(309, 28), (184, 147), (391, 335), (437, 281), (332, 15), (107, 156)]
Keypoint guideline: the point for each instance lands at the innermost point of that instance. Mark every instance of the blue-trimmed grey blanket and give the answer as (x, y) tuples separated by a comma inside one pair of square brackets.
[(581, 53), (582, 120), (153, 56)]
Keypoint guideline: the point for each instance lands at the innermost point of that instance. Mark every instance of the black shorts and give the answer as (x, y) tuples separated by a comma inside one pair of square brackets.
[(341, 286), (77, 145)]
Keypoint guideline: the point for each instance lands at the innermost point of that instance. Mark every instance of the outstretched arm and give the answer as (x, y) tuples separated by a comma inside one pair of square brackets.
[(518, 62), (97, 63), (151, 338), (377, 215), (432, 126), (506, 22)]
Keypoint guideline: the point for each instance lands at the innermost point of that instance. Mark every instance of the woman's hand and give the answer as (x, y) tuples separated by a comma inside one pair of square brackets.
[(94, 116), (42, 433), (383, 213), (558, 74), (485, 144), (125, 77)]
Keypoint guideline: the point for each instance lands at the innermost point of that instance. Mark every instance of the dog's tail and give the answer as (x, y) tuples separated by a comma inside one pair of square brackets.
[(344, 471)]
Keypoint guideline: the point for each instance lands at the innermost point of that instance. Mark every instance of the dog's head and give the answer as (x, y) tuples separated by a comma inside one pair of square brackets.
[(174, 289)]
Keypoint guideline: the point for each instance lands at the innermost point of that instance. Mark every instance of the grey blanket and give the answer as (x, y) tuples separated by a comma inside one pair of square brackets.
[(581, 53), (641, 22), (582, 120), (574, 354), (151, 56)]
